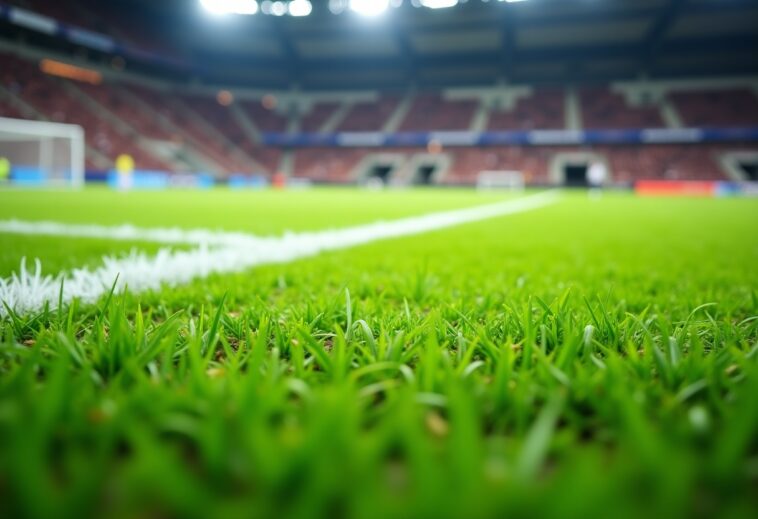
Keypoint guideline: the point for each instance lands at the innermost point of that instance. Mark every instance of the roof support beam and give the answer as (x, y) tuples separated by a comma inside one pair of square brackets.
[(659, 29)]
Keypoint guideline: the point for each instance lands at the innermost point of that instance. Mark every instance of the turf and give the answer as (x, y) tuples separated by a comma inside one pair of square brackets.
[(592, 358), (61, 254), (261, 213)]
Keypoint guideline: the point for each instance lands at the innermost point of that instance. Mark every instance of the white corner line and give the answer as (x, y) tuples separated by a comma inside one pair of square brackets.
[(27, 292)]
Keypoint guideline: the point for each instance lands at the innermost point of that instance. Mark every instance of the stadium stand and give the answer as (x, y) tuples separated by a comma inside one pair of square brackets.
[(671, 162), (369, 116), (219, 141), (221, 119), (627, 163), (144, 124), (190, 125), (544, 109), (317, 116), (431, 112), (602, 108), (54, 102), (123, 117), (265, 119), (8, 110), (724, 107), (468, 162), (327, 164)]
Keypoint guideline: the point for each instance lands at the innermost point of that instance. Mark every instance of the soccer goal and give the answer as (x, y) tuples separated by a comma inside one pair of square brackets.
[(512, 180), (43, 153)]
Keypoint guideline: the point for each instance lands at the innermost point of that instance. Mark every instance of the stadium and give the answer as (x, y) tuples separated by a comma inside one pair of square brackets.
[(379, 258)]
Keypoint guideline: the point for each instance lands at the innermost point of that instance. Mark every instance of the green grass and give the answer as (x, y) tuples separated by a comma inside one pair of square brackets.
[(593, 358), (263, 213), (57, 254), (260, 212)]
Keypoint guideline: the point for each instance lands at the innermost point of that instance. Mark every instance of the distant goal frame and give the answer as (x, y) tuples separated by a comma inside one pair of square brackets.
[(506, 179), (44, 133)]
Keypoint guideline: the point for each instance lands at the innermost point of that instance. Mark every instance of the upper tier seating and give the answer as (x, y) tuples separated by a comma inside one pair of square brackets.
[(318, 115), (369, 116), (728, 107), (430, 112), (544, 109), (602, 108), (267, 120)]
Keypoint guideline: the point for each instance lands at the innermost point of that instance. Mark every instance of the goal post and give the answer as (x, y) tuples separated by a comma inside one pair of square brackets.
[(505, 179), (43, 153)]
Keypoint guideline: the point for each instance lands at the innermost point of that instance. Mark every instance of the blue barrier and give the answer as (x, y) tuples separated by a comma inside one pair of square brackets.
[(28, 176), (139, 180), (191, 181), (247, 182), (143, 179), (512, 138)]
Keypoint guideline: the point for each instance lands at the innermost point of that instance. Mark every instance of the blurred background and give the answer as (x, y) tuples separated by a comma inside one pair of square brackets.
[(194, 93)]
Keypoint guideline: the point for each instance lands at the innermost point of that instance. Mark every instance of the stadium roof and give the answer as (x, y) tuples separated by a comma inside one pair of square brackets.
[(474, 42)]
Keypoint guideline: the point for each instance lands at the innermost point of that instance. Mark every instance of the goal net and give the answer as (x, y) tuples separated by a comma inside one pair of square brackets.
[(42, 153), (513, 180)]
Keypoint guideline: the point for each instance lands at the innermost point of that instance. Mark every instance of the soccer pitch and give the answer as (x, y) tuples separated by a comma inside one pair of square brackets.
[(582, 357)]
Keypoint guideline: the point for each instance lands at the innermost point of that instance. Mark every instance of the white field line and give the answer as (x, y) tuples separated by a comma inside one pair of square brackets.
[(126, 233), (27, 292)]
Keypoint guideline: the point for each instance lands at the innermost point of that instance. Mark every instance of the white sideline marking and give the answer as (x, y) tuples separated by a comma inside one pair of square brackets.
[(28, 292), (126, 233)]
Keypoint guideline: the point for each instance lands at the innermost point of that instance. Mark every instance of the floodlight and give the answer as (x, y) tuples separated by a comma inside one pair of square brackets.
[(300, 8), (230, 6), (278, 8), (438, 4), (369, 7), (338, 6)]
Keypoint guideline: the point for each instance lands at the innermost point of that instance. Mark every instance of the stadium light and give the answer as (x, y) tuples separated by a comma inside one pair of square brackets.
[(369, 7), (221, 7), (278, 8), (439, 4), (300, 8)]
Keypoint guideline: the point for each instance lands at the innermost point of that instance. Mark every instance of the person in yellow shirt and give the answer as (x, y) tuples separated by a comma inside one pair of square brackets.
[(124, 170)]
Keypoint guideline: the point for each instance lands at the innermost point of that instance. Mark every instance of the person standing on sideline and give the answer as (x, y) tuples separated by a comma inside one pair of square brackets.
[(597, 173)]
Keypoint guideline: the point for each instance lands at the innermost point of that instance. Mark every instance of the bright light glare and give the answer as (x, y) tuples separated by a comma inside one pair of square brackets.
[(369, 7), (300, 8), (278, 9), (438, 4), (230, 6)]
